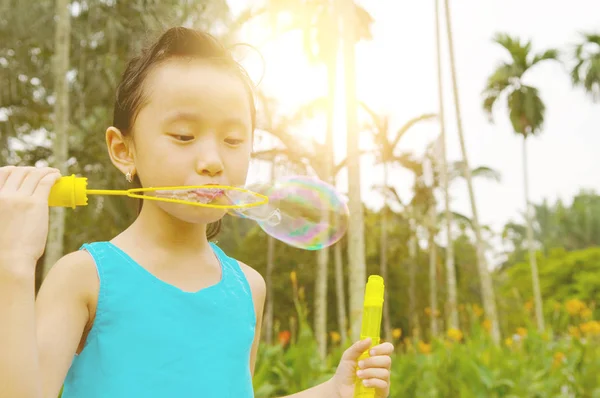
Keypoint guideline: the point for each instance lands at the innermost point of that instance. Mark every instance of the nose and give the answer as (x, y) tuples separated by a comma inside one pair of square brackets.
[(209, 161)]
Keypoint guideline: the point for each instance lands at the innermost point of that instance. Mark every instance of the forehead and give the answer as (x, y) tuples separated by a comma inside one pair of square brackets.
[(196, 86)]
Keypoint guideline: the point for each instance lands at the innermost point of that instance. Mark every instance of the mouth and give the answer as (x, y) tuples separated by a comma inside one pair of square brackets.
[(202, 195), (207, 193)]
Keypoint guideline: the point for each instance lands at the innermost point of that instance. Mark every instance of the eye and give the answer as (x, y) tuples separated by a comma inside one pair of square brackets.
[(183, 138), (233, 141)]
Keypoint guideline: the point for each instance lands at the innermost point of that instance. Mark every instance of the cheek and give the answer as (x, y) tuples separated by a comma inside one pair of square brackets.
[(237, 166)]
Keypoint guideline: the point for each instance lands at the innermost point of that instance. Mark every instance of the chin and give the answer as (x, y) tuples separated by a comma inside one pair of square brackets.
[(194, 214)]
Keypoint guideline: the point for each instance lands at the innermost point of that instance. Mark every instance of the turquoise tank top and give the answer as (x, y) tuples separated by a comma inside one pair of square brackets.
[(150, 339)]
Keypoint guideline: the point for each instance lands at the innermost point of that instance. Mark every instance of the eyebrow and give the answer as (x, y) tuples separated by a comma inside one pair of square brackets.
[(192, 117)]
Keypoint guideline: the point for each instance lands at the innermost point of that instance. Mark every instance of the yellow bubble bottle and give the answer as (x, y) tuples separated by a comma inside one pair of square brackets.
[(371, 325)]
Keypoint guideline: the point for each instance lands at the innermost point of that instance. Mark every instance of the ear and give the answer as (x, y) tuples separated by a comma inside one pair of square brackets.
[(120, 150)]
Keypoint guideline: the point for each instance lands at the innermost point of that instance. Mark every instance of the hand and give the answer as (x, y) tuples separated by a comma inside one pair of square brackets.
[(375, 371), (24, 193)]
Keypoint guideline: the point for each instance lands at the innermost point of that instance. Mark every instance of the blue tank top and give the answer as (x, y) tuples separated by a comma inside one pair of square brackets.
[(151, 339)]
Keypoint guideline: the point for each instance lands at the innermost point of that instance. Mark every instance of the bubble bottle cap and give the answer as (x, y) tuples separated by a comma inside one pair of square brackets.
[(69, 191), (374, 291)]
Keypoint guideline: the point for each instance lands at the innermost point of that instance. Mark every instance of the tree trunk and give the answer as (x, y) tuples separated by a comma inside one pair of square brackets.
[(356, 240), (340, 294), (412, 280), (433, 272), (537, 294), (487, 289), (452, 306), (323, 254), (321, 302), (268, 322), (383, 266), (60, 149)]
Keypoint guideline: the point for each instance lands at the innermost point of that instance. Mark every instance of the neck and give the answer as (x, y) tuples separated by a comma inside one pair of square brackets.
[(160, 229)]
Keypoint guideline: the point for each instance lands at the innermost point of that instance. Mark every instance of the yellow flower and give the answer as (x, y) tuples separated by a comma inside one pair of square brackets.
[(424, 348), (586, 313), (477, 310), (397, 333), (487, 325), (508, 341), (522, 332), (294, 279), (574, 331), (455, 334), (559, 358), (591, 328), (575, 306), (427, 311), (545, 336), (335, 337), (529, 305)]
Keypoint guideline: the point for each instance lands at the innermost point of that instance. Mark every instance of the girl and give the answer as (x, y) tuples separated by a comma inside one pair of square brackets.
[(158, 311)]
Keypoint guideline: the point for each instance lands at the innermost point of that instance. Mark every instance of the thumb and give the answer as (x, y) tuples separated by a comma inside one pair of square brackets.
[(356, 350)]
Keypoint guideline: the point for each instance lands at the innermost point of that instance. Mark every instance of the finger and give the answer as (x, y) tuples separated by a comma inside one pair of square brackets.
[(376, 383), (382, 349), (32, 180), (45, 185), (374, 373), (356, 350), (4, 173), (381, 361), (15, 178)]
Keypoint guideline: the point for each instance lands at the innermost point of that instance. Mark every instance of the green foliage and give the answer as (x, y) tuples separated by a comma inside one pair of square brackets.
[(586, 71), (526, 365), (563, 276)]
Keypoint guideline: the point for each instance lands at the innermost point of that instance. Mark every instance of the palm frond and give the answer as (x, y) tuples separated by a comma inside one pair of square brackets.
[(375, 117), (526, 110), (519, 51), (550, 54), (407, 126), (389, 192), (486, 172)]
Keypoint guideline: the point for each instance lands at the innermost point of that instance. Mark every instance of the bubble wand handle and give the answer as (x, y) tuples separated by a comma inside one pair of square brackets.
[(371, 325)]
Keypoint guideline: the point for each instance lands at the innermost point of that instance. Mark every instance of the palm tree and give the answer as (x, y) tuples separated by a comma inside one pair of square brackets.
[(386, 147), (586, 73), (526, 111), (452, 307), (487, 289)]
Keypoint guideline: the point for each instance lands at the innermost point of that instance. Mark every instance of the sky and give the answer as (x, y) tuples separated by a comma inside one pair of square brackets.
[(396, 75)]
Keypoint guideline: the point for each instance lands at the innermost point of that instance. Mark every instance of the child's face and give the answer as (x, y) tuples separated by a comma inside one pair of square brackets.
[(195, 128)]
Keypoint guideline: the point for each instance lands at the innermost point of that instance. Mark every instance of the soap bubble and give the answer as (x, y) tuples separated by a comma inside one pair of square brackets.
[(303, 212)]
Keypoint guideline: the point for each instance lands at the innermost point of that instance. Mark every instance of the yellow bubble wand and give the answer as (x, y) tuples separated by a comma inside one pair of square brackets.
[(371, 325), (72, 191)]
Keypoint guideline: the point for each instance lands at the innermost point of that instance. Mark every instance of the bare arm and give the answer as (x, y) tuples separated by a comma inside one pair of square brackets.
[(62, 314), (19, 365), (259, 291)]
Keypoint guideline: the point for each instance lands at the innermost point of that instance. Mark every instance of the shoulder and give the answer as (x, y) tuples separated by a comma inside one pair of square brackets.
[(257, 284), (74, 273), (255, 279)]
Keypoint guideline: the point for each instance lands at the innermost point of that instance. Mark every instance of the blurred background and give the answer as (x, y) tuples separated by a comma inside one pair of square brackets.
[(462, 133)]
